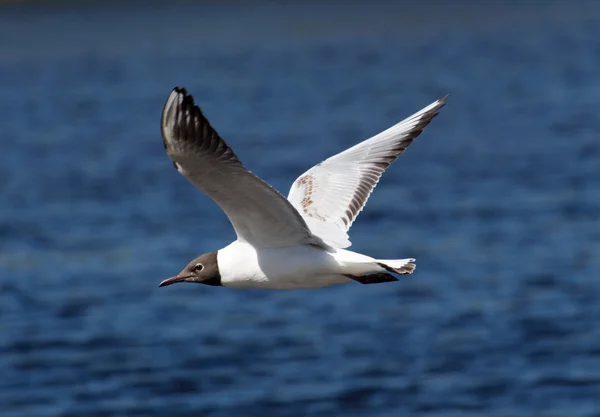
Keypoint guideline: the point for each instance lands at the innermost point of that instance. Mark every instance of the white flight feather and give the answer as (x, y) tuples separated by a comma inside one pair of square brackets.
[(331, 194)]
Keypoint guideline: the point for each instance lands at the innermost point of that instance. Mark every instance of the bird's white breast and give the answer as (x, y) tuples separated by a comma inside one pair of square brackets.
[(237, 262), (304, 266)]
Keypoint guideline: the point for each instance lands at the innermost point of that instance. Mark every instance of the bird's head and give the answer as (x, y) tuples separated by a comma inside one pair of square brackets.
[(204, 270)]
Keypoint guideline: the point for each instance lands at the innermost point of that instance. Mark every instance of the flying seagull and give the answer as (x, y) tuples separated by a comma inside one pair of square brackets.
[(298, 242)]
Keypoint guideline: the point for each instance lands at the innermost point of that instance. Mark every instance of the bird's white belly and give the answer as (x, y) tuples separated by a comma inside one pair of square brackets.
[(243, 266)]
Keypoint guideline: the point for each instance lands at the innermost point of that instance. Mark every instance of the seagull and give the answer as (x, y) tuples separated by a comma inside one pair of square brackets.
[(293, 243)]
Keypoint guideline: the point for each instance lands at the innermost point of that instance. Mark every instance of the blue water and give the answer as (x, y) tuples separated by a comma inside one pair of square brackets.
[(499, 201)]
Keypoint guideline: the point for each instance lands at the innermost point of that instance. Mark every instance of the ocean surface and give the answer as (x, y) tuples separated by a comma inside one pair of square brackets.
[(498, 200)]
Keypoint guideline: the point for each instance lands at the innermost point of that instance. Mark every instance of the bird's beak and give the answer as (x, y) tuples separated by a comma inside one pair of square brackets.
[(173, 280)]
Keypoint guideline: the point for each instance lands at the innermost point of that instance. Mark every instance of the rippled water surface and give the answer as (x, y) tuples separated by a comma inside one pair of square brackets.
[(499, 201)]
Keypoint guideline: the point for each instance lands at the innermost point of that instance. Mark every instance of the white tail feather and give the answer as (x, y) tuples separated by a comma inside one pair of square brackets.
[(399, 266)]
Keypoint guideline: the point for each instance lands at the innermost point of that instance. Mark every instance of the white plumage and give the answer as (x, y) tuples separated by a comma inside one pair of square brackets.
[(335, 191)]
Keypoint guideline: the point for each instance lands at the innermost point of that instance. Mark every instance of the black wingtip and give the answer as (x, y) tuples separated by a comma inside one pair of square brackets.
[(440, 103), (183, 97), (427, 117), (183, 121), (186, 102), (180, 90), (180, 102)]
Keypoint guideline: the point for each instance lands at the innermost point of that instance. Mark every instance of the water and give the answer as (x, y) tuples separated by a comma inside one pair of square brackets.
[(499, 201)]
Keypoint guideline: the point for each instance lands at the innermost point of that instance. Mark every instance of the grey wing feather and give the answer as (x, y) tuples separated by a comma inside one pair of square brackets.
[(259, 214)]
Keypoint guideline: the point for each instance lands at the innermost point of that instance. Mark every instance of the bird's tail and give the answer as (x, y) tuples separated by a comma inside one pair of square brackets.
[(398, 266)]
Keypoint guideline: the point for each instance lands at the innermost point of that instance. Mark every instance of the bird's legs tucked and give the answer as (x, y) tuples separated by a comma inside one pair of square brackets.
[(373, 278)]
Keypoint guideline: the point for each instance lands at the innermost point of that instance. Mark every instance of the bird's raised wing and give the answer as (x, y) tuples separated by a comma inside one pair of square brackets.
[(259, 214), (331, 194)]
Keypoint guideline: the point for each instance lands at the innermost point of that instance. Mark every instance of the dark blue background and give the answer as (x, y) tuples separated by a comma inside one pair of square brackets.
[(499, 201)]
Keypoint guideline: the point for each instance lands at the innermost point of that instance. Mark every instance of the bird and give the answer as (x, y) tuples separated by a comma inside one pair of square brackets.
[(298, 242)]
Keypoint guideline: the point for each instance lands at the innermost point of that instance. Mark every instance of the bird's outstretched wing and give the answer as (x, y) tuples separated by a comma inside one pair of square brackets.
[(331, 194), (259, 214)]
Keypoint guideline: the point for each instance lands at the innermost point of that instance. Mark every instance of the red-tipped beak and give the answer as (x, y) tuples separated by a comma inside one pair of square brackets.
[(172, 280)]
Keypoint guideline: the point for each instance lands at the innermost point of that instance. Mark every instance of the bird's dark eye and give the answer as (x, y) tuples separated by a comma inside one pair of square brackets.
[(198, 267)]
